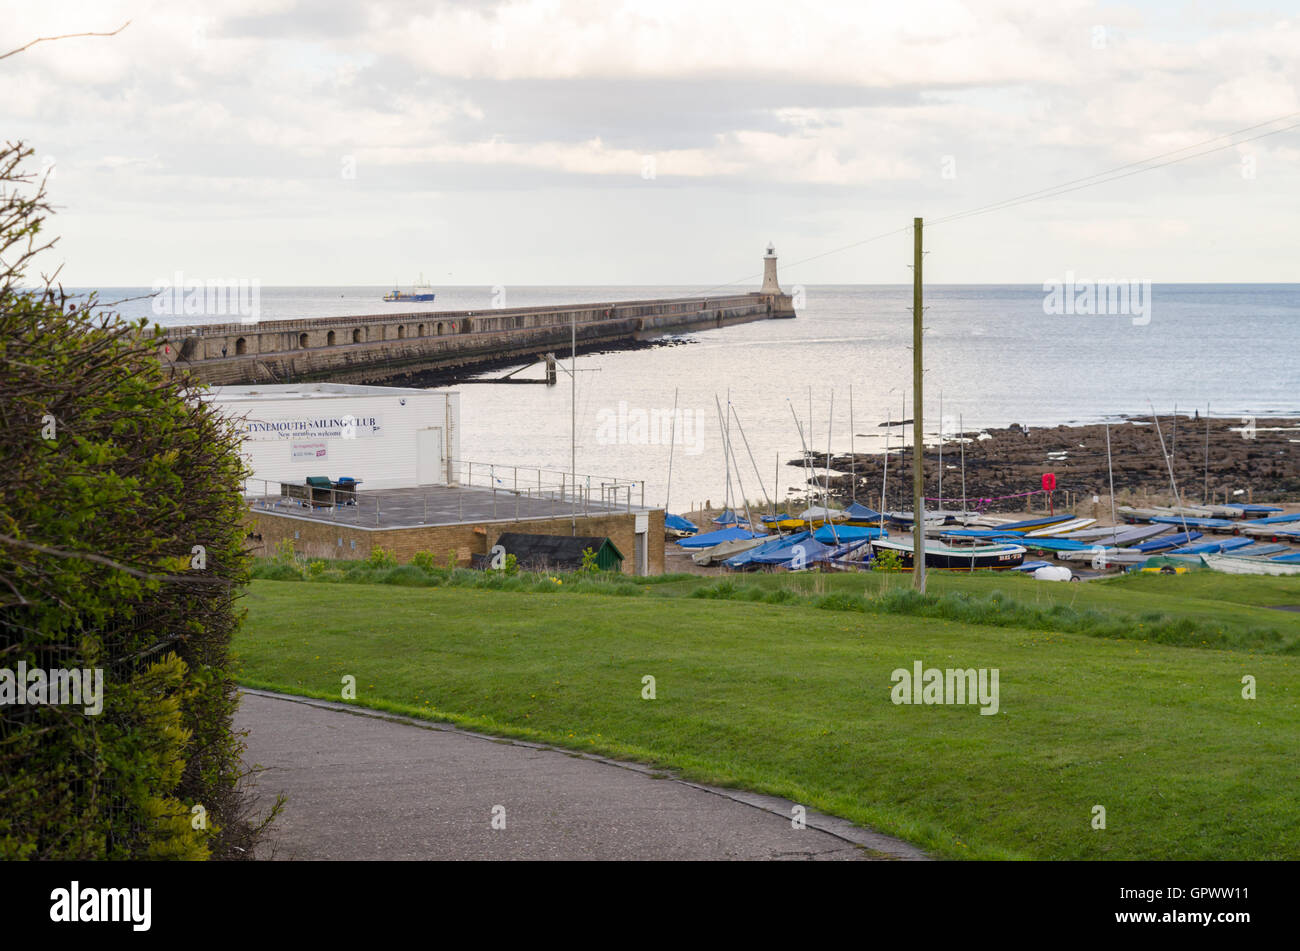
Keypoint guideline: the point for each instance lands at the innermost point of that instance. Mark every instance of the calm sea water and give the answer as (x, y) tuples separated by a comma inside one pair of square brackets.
[(991, 354)]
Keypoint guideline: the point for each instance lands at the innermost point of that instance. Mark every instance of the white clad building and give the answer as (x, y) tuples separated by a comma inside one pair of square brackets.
[(385, 437)]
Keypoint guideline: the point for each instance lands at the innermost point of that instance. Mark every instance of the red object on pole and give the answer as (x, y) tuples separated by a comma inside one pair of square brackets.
[(1049, 486)]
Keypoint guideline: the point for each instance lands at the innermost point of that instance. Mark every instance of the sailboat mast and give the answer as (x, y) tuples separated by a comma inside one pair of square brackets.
[(1111, 473), (826, 496), (853, 456), (961, 438), (672, 442), (941, 449), (918, 411), (1205, 494), (884, 480), (726, 432), (1169, 464), (573, 419)]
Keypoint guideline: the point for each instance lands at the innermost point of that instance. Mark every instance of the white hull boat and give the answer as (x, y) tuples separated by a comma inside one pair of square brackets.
[(1248, 566)]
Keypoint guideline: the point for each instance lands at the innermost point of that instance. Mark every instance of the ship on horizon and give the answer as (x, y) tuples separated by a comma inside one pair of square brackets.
[(419, 292)]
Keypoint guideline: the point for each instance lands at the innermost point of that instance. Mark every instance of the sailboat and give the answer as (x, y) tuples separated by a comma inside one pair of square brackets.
[(675, 526)]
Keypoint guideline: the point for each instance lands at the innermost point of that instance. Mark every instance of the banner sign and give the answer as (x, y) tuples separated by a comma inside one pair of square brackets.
[(345, 426), (309, 450)]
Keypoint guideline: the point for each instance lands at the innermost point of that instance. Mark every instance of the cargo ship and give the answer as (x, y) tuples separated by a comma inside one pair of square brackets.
[(418, 292)]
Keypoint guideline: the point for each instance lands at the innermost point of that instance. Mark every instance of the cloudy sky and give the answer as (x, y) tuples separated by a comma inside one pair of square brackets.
[(656, 142)]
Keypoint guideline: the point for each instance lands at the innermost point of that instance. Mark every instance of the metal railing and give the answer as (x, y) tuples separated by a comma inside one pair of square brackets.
[(609, 492), (518, 492)]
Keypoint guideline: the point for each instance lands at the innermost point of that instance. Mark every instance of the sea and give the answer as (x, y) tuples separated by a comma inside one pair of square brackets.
[(993, 354)]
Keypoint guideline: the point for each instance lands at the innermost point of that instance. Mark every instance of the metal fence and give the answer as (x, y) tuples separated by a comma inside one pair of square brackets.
[(483, 491)]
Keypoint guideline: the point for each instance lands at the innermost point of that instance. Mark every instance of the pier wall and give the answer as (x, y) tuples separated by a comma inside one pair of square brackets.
[(381, 348)]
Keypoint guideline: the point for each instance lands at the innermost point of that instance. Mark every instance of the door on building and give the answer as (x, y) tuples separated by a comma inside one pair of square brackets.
[(428, 456), (642, 557)]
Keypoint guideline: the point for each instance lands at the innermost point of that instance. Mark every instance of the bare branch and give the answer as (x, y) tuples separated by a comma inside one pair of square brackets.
[(65, 36)]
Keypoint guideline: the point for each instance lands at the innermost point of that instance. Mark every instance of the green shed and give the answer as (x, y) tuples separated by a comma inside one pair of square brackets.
[(560, 552)]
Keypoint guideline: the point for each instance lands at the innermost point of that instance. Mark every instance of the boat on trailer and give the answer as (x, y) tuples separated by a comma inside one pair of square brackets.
[(1119, 534), (966, 558), (1104, 557), (675, 526), (1031, 524), (1061, 528), (1260, 550)]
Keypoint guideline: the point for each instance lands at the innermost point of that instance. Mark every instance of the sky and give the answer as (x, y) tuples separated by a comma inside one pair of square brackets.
[(563, 142)]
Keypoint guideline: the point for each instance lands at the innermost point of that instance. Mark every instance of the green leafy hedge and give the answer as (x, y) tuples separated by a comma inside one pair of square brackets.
[(121, 548)]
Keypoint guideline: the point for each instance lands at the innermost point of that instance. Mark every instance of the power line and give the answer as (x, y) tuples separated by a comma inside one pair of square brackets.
[(1064, 188), (1120, 168), (1011, 203)]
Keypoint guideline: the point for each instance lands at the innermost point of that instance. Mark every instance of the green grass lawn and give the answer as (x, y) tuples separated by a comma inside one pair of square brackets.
[(794, 700)]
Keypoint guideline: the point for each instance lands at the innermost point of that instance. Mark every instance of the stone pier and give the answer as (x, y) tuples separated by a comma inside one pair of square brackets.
[(379, 349)]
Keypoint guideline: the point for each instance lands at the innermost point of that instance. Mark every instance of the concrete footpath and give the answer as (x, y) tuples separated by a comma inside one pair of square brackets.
[(362, 784)]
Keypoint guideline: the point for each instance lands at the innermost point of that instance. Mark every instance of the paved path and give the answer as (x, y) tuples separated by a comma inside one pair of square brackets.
[(367, 785)]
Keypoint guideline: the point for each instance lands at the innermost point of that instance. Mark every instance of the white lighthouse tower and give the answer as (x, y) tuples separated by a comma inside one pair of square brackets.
[(770, 285)]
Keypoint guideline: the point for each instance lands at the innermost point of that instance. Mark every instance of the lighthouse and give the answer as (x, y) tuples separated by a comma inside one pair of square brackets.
[(770, 285)]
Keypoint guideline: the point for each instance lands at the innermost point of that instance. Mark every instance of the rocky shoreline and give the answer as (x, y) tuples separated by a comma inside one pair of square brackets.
[(1257, 462)]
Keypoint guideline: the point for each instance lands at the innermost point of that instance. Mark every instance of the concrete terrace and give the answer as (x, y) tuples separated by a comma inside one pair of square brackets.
[(441, 505)]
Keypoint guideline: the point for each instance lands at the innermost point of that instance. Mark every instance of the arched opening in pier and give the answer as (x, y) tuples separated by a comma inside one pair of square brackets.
[(241, 347), (419, 331), (401, 333), (356, 335), (329, 338), (302, 341), (440, 327)]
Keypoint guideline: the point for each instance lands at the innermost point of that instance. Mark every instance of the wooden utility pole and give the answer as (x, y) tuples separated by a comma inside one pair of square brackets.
[(918, 404)]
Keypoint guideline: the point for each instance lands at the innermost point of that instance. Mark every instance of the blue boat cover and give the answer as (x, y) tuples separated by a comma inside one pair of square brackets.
[(1032, 566), (778, 517), (860, 513), (813, 550), (1290, 559), (1031, 523), (1198, 522), (1052, 544), (779, 544), (1246, 507), (709, 539), (679, 524), (1210, 548), (1160, 544), (839, 534), (1274, 519), (1260, 548), (728, 517)]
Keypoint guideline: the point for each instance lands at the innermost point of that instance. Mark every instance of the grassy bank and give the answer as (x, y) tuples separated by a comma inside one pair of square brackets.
[(794, 700), (1202, 609)]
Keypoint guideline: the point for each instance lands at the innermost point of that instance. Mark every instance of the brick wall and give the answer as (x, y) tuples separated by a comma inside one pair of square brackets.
[(315, 539)]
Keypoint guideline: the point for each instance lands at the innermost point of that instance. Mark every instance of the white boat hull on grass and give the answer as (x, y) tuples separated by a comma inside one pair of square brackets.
[(1248, 566)]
